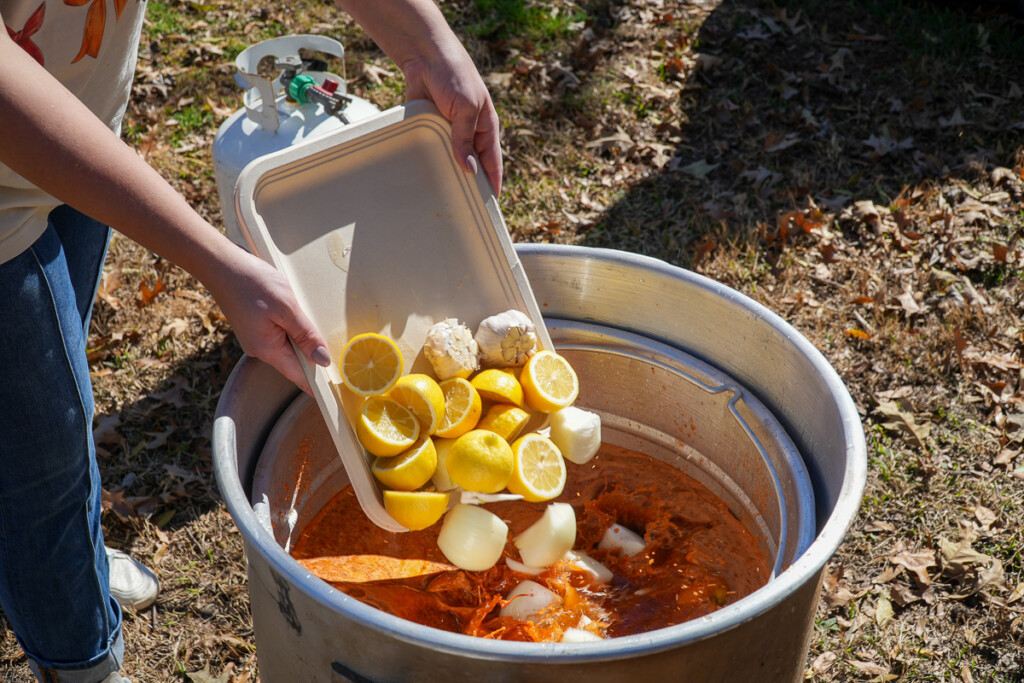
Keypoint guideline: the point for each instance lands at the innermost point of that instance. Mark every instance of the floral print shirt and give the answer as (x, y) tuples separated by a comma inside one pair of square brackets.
[(90, 46)]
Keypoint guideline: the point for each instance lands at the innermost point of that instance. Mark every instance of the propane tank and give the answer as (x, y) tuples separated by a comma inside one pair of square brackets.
[(301, 102)]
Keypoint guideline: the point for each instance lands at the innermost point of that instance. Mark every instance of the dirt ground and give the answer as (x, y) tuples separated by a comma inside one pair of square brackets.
[(856, 166)]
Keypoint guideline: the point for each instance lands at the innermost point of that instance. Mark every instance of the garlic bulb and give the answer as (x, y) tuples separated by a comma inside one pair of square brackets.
[(548, 539), (529, 599), (472, 538), (507, 339), (451, 349)]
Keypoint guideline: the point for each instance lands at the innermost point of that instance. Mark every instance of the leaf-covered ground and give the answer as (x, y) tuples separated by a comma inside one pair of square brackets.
[(856, 166)]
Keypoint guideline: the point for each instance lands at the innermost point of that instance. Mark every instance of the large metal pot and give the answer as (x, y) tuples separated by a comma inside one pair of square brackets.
[(762, 395)]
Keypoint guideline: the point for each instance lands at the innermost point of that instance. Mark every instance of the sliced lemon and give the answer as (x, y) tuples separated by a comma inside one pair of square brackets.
[(370, 364), (386, 427), (499, 386), (549, 382), (480, 461), (421, 394), (410, 469), (415, 510), (507, 421), (539, 471), (462, 407)]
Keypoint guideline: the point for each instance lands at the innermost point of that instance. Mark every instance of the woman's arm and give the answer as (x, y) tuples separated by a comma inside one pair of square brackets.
[(55, 142), (437, 67)]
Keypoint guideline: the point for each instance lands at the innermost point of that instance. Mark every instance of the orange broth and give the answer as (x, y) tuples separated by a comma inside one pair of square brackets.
[(699, 557)]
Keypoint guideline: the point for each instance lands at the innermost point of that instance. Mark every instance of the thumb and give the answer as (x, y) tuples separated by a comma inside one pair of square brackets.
[(464, 124)]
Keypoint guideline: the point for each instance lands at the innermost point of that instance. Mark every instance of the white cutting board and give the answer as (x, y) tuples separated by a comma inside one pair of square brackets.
[(378, 229)]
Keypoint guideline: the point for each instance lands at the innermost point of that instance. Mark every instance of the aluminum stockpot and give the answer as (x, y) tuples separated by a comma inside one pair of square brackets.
[(760, 416)]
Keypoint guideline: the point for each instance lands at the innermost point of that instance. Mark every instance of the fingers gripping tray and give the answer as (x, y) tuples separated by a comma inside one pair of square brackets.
[(377, 229)]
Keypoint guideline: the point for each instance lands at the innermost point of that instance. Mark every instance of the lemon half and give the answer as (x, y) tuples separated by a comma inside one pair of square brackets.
[(462, 408), (415, 510), (549, 382), (370, 364), (386, 427), (498, 386), (408, 470), (539, 472), (421, 394)]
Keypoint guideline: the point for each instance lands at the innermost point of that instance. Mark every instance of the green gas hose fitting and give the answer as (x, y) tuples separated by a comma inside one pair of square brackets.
[(298, 86)]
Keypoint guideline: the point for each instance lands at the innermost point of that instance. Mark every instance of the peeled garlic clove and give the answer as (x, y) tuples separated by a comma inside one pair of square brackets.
[(472, 538), (620, 538), (588, 565), (507, 339), (518, 566), (451, 349), (579, 635), (528, 599), (576, 432), (550, 537)]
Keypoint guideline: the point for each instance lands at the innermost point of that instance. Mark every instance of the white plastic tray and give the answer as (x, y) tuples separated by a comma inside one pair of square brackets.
[(378, 229)]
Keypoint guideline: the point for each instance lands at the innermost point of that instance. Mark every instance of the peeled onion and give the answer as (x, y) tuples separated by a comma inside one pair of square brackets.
[(579, 635), (528, 599), (576, 432), (517, 566), (472, 538), (550, 537), (597, 571), (620, 538)]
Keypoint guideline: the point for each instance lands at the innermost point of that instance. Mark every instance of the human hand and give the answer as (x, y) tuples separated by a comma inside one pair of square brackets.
[(453, 84), (437, 67), (266, 316)]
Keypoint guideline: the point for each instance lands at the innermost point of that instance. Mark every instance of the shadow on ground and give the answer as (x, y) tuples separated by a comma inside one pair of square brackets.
[(804, 106)]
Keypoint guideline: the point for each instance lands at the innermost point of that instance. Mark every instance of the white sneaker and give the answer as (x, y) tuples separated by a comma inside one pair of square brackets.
[(116, 678), (131, 583)]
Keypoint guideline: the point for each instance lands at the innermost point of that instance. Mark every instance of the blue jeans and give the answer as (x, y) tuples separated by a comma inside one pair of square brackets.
[(53, 569)]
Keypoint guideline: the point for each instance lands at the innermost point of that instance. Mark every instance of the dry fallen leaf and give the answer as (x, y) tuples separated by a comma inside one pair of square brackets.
[(916, 563), (883, 609), (823, 662), (871, 668), (985, 516)]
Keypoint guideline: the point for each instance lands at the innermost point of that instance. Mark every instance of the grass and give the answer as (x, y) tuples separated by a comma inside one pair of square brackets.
[(524, 20)]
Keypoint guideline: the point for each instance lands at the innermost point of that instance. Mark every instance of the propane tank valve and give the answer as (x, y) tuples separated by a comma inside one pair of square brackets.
[(304, 89)]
